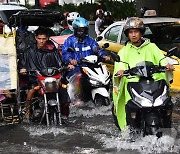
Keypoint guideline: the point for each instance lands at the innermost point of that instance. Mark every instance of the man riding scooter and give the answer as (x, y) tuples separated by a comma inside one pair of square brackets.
[(137, 49), (82, 44)]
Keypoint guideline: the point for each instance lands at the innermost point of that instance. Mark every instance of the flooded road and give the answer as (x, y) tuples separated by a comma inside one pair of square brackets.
[(92, 131)]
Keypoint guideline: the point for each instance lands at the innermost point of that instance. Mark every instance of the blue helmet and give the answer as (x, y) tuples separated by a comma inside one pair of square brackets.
[(80, 22), (80, 27)]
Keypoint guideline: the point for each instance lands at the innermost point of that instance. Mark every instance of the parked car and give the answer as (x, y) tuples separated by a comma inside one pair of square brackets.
[(163, 31), (6, 11)]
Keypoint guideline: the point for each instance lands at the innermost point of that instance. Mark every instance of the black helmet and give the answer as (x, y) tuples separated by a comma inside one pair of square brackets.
[(134, 23)]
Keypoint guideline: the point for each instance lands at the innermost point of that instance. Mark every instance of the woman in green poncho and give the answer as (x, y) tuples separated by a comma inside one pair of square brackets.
[(137, 49)]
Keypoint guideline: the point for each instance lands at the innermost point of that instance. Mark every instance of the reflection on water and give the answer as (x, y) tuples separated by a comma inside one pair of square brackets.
[(91, 131)]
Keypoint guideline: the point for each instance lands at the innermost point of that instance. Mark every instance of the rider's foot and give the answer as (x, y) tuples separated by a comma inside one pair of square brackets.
[(26, 120), (65, 120)]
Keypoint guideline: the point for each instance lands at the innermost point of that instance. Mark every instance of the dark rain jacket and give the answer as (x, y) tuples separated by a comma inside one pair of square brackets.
[(39, 59)]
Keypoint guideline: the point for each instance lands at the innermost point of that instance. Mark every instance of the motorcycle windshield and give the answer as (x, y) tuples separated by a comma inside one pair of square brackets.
[(49, 72), (143, 69)]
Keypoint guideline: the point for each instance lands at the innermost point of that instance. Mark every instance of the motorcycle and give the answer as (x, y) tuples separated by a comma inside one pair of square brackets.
[(93, 81), (46, 106), (150, 108)]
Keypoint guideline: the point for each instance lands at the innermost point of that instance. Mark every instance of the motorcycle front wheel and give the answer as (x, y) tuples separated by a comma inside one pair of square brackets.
[(101, 100), (53, 116)]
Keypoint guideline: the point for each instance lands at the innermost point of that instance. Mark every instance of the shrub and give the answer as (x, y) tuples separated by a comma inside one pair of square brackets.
[(119, 10)]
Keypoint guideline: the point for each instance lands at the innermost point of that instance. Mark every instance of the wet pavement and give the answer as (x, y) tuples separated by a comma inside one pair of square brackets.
[(91, 131)]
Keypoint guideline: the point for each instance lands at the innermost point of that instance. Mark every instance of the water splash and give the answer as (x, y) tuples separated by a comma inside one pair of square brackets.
[(145, 145), (85, 151), (91, 111), (40, 130)]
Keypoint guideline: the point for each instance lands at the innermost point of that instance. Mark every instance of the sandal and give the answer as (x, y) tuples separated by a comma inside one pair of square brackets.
[(26, 120)]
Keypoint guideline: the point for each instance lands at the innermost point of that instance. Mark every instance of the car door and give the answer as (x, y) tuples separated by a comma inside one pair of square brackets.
[(112, 36)]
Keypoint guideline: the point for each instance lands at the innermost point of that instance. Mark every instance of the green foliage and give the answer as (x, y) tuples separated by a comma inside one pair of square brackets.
[(53, 6), (119, 10), (87, 10), (29, 6)]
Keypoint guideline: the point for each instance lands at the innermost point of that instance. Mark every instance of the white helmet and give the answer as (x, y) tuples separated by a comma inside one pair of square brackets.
[(99, 11), (70, 18), (107, 13)]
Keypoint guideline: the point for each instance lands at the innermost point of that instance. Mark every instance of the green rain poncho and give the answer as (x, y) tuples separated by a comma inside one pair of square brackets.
[(132, 55)]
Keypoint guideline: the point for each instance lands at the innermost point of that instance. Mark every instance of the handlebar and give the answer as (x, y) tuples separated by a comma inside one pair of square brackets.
[(49, 70), (138, 70), (84, 61)]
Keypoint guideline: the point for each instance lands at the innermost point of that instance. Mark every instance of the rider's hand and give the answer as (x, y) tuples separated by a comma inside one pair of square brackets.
[(107, 58), (120, 73), (170, 67), (73, 62), (23, 71), (71, 67)]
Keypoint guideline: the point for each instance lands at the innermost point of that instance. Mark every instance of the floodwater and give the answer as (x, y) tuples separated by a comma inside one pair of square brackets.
[(91, 131)]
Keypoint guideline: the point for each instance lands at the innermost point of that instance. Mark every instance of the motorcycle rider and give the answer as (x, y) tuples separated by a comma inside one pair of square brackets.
[(83, 44), (42, 55), (99, 21), (136, 50), (70, 18), (107, 20)]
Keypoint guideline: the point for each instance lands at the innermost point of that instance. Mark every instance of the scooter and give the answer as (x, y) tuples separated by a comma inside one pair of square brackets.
[(92, 83), (46, 106), (150, 107)]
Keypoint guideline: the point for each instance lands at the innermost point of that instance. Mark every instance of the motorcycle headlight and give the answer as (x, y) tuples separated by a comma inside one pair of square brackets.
[(141, 100), (95, 82), (159, 100), (50, 83)]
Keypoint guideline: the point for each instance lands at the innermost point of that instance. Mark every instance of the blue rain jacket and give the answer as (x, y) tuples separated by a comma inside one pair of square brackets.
[(86, 48)]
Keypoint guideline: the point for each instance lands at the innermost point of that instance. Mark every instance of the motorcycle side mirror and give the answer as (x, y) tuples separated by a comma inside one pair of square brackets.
[(70, 49), (99, 38), (115, 57), (105, 45), (172, 51)]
